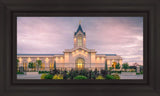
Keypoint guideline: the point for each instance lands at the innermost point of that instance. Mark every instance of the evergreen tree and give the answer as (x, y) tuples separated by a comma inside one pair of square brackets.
[(106, 67), (54, 65)]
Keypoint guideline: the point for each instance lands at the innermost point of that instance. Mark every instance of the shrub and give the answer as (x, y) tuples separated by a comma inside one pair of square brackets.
[(110, 68), (43, 76), (100, 77), (115, 71), (109, 77), (93, 75), (116, 76), (137, 73), (132, 70), (83, 72), (40, 72), (58, 77), (104, 72), (20, 72), (73, 74), (80, 77), (49, 76)]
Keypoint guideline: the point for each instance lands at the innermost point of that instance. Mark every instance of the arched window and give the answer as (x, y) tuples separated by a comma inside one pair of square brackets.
[(79, 41)]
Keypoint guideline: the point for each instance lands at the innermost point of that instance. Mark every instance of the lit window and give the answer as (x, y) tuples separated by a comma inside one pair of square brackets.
[(47, 60), (77, 51), (79, 41), (29, 59)]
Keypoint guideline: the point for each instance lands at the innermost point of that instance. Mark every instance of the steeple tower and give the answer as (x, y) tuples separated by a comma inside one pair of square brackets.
[(79, 29), (79, 22), (79, 37)]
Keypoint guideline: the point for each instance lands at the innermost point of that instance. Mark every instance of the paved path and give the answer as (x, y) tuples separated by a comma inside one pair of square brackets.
[(21, 76), (132, 77)]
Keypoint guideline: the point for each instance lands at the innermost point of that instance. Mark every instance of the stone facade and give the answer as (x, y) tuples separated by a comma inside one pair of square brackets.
[(78, 57)]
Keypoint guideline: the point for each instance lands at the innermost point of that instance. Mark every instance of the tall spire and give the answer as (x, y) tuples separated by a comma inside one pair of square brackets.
[(79, 22), (79, 28)]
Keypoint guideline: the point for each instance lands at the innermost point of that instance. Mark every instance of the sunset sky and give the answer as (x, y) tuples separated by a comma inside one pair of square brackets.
[(107, 35)]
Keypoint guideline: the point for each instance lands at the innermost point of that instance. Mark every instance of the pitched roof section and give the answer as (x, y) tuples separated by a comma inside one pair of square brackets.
[(79, 29), (41, 54), (111, 54), (108, 54)]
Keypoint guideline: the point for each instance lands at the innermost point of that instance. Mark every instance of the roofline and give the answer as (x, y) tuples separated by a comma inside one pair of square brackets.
[(108, 54), (40, 54)]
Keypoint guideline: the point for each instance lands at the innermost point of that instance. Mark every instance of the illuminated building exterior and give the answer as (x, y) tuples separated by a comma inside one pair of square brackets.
[(79, 57)]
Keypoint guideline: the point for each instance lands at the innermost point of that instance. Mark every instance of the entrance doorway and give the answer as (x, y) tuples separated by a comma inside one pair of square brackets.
[(80, 63)]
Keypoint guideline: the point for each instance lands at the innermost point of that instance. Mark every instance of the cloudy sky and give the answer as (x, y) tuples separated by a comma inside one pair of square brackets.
[(108, 35)]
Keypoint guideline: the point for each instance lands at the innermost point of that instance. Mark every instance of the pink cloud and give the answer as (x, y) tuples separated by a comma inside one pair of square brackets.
[(51, 35)]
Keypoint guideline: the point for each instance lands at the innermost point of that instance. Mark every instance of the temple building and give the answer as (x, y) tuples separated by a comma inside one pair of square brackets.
[(79, 57)]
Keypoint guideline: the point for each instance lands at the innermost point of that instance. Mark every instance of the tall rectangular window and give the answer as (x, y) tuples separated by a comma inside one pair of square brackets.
[(79, 41)]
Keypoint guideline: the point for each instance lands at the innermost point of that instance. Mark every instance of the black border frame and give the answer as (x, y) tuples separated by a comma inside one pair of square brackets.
[(72, 14), (150, 86)]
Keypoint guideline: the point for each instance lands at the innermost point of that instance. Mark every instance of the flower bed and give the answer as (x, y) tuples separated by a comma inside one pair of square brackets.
[(80, 75)]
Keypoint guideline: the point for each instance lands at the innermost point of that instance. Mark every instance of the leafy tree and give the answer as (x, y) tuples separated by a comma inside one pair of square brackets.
[(17, 62), (38, 64), (31, 65), (125, 66), (117, 66)]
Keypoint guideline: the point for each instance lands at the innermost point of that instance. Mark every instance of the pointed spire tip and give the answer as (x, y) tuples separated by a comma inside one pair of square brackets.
[(79, 21)]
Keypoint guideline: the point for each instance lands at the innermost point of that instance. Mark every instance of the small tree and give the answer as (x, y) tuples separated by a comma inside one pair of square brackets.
[(17, 64), (31, 65), (34, 65), (54, 65), (117, 66), (38, 64), (106, 67), (125, 66)]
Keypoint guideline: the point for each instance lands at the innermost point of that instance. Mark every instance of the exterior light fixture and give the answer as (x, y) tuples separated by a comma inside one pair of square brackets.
[(29, 59)]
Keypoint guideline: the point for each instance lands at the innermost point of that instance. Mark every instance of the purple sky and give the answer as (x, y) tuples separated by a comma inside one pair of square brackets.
[(108, 35)]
